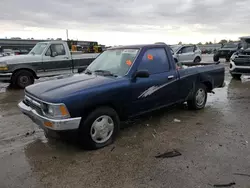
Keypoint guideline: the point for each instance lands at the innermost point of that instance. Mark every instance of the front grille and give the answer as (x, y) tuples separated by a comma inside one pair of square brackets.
[(238, 70), (242, 61), (34, 104)]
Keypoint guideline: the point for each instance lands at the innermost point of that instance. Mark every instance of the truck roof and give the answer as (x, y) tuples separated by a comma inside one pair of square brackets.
[(139, 46)]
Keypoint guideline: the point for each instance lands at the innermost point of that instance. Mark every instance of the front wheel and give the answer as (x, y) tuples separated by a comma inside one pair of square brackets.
[(22, 79), (199, 98), (99, 129), (216, 58)]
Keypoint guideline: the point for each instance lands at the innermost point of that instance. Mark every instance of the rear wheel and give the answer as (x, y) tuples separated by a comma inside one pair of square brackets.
[(199, 98), (197, 60), (99, 129), (236, 76), (22, 79)]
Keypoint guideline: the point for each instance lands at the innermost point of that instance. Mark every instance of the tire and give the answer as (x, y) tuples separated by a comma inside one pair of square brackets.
[(89, 128), (22, 79), (194, 103), (197, 60), (236, 76), (216, 58)]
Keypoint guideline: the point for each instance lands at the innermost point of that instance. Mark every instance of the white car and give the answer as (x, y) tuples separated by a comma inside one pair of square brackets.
[(186, 53)]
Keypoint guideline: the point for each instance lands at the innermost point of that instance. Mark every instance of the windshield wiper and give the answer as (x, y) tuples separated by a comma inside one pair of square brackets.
[(105, 73)]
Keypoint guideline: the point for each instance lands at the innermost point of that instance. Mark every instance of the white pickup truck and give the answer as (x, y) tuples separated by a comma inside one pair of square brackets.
[(45, 59)]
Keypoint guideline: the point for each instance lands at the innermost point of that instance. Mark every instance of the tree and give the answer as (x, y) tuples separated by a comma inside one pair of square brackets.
[(223, 41), (180, 43), (199, 43), (210, 42), (206, 43)]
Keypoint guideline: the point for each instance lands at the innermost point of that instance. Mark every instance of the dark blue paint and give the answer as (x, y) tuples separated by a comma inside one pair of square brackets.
[(82, 93)]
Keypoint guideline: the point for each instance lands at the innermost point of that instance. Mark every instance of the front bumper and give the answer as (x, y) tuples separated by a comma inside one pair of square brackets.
[(53, 124), (5, 76), (235, 69)]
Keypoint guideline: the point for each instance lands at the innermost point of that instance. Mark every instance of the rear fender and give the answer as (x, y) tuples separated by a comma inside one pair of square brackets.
[(207, 80)]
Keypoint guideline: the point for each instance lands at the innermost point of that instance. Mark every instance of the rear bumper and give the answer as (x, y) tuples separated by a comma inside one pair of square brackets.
[(5, 76), (47, 123), (234, 69)]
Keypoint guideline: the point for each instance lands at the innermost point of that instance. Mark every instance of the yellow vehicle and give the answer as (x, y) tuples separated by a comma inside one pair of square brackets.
[(72, 45), (98, 49)]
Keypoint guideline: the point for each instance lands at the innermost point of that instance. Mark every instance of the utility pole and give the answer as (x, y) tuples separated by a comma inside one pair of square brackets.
[(67, 34)]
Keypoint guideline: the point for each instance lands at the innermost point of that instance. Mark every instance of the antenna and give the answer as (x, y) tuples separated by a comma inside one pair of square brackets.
[(67, 34)]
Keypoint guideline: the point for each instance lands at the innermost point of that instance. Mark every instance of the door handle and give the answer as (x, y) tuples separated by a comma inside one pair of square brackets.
[(170, 77), (66, 58)]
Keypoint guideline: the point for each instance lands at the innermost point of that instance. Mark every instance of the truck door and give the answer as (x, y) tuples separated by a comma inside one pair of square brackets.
[(56, 61), (160, 88), (186, 54)]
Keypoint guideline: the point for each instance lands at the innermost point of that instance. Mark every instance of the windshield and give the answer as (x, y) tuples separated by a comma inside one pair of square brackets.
[(175, 47), (230, 46), (38, 49), (115, 61)]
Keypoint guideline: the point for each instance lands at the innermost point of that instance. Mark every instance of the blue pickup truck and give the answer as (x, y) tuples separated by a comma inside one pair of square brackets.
[(121, 83)]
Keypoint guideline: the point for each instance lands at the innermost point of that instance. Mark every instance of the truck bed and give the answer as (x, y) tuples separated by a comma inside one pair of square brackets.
[(205, 71)]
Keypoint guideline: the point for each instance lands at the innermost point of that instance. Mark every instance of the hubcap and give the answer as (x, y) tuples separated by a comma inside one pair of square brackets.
[(24, 80), (200, 97), (102, 129)]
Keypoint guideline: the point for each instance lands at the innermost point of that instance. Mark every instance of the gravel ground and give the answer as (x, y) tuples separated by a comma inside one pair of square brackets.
[(214, 144)]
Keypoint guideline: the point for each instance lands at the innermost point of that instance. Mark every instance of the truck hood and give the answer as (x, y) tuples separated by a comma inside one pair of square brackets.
[(20, 59), (54, 90)]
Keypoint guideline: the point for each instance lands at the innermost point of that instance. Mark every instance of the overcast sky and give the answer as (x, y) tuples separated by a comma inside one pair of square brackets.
[(113, 22)]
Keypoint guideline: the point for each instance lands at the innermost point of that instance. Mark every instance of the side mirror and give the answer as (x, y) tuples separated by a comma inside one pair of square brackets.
[(142, 74), (53, 54), (80, 70)]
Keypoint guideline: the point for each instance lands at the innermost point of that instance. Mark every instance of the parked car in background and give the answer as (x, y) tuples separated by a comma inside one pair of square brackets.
[(226, 51), (240, 60), (186, 53), (45, 59), (121, 83)]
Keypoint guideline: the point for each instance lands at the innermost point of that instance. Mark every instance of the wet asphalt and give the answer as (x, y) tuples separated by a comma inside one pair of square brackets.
[(214, 144)]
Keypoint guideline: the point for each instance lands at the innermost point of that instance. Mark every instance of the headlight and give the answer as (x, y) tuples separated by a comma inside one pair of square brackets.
[(56, 111), (3, 66)]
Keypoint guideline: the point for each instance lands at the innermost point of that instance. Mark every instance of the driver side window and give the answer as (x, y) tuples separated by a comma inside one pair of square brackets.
[(187, 49), (58, 48)]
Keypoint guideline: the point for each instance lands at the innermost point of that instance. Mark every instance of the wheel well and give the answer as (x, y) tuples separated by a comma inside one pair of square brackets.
[(110, 105), (208, 85), (26, 69)]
